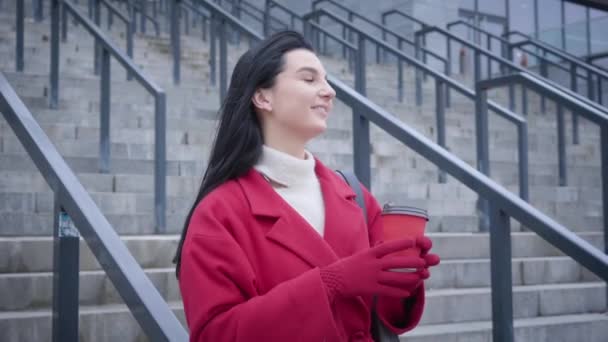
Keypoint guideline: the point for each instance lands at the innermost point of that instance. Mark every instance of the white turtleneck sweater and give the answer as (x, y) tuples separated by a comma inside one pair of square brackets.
[(296, 182)]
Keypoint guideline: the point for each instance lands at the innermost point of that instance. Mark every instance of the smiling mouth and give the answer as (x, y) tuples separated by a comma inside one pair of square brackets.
[(322, 109)]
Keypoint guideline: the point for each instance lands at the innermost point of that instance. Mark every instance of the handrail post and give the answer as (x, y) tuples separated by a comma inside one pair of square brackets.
[(511, 87), (590, 91), (104, 113), (223, 59), (448, 70), (440, 112), (212, 53), (160, 161), (544, 72), (96, 47), (418, 75), (54, 74), (524, 189), (604, 161), (38, 10), (129, 30), (143, 11), (561, 146), (361, 136), (482, 142), (20, 28), (65, 276), (400, 79), (524, 100), (175, 40), (266, 23), (64, 24), (502, 288), (574, 88)]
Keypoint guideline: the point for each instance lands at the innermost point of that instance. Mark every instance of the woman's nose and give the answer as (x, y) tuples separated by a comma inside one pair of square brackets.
[(328, 91)]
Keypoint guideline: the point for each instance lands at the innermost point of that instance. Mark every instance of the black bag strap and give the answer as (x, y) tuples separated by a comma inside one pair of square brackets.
[(380, 332), (352, 180)]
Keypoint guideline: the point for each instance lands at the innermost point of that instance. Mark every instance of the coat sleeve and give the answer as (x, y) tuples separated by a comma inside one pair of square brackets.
[(398, 315), (221, 300)]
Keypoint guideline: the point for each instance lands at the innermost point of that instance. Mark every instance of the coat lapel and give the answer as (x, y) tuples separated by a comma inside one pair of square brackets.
[(289, 229), (345, 226)]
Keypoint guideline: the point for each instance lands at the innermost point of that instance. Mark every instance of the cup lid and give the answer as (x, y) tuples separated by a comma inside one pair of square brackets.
[(390, 208)]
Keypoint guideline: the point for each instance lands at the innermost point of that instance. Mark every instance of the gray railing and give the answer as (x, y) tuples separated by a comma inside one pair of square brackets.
[(543, 61), (108, 50), (504, 204), (442, 84), (351, 15), (593, 72), (562, 100), (508, 66), (349, 50), (74, 204)]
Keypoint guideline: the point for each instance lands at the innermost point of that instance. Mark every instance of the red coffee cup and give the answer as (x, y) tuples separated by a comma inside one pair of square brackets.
[(403, 221)]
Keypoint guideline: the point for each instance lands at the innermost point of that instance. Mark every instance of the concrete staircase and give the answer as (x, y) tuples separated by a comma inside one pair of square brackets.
[(555, 299)]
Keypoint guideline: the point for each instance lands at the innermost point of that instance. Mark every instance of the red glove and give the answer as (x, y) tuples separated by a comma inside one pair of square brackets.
[(425, 244), (368, 272)]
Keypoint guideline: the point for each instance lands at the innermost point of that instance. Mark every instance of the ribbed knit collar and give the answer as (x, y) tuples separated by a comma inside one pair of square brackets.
[(284, 169)]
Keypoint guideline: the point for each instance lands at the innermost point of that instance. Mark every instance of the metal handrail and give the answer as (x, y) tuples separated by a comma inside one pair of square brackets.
[(505, 45), (555, 51), (479, 51), (352, 14), (160, 104), (240, 5), (387, 13), (566, 100), (441, 82), (141, 296), (504, 203), (575, 62)]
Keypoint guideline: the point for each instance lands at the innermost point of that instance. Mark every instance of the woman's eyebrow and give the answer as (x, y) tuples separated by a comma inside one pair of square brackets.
[(308, 69)]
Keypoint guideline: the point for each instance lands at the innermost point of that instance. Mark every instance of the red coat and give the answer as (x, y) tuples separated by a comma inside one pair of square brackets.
[(250, 266)]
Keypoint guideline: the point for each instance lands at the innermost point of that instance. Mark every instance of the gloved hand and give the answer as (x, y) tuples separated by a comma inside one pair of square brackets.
[(368, 272), (425, 244)]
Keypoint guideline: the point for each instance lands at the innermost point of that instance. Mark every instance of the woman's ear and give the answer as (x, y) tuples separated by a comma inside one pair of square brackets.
[(262, 100)]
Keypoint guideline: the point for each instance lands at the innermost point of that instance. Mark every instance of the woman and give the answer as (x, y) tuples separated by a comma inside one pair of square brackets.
[(275, 247)]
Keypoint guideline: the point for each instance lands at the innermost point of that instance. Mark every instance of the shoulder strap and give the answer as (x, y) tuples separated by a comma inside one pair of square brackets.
[(352, 180), (379, 331)]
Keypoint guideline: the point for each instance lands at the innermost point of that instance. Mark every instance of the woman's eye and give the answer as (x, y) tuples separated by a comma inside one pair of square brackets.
[(309, 80)]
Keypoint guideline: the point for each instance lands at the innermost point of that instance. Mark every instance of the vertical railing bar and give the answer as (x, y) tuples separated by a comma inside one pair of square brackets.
[(561, 146), (361, 142), (54, 74), (96, 47), (400, 79), (440, 117), (502, 288), (20, 34), (223, 60), (212, 52), (104, 113), (574, 87), (417, 72), (482, 144), (66, 266), (604, 172), (175, 40), (524, 189), (160, 161)]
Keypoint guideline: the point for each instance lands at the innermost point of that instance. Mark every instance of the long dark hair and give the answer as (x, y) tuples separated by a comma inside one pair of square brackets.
[(238, 141)]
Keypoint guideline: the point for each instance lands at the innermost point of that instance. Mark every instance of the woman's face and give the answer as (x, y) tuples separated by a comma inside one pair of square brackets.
[(299, 102)]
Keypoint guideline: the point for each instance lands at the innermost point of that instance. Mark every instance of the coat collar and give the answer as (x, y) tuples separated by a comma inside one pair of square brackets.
[(292, 231)]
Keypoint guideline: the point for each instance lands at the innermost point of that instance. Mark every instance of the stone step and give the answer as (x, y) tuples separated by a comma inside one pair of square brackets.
[(94, 324), (564, 328), (535, 261), (465, 305)]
